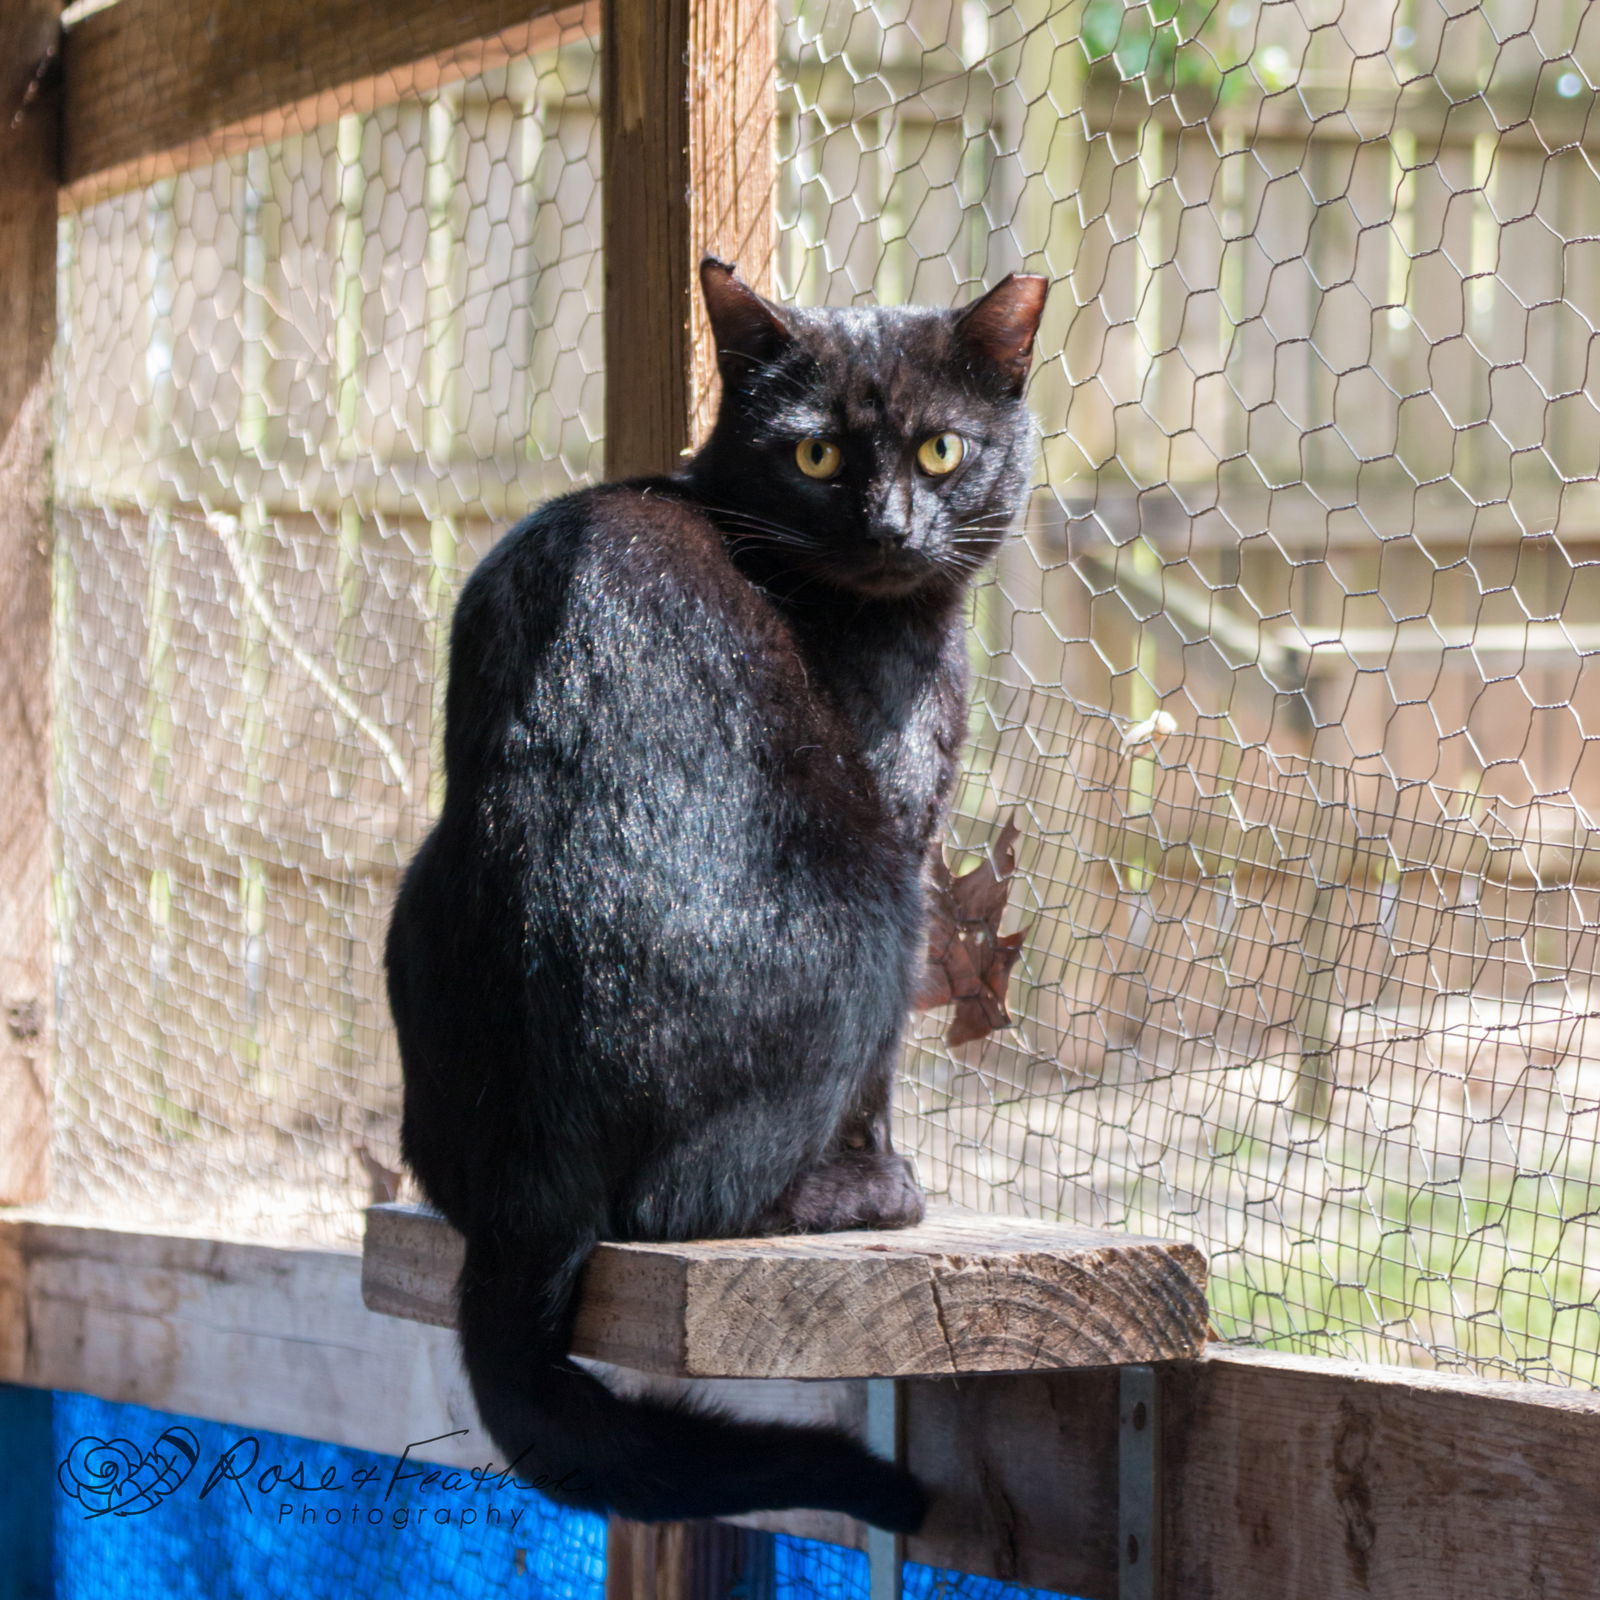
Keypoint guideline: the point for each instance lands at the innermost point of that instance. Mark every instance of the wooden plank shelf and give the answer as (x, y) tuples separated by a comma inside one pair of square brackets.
[(959, 1294)]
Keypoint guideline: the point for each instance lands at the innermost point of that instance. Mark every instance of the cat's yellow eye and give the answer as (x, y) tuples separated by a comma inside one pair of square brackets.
[(941, 454), (818, 458)]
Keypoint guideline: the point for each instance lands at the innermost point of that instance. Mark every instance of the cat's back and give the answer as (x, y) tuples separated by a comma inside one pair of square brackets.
[(608, 639), (606, 560)]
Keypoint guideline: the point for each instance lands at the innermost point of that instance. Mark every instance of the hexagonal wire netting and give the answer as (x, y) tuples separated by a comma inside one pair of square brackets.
[(1287, 684)]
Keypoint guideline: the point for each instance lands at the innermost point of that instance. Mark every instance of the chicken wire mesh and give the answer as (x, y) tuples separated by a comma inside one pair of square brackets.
[(302, 390), (1287, 684)]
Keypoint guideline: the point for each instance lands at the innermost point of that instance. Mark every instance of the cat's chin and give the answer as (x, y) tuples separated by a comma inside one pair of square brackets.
[(890, 575)]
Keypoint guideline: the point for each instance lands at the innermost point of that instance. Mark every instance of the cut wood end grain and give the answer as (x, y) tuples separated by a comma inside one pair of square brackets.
[(959, 1294)]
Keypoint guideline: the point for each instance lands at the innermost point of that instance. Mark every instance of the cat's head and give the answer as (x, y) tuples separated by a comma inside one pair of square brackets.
[(883, 451)]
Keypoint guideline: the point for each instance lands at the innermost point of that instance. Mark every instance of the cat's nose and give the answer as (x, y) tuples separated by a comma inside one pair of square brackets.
[(890, 535)]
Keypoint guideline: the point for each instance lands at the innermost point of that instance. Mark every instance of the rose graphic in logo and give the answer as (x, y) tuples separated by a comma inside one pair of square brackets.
[(112, 1475)]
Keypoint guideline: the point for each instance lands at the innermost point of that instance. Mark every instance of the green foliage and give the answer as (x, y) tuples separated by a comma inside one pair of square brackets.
[(1170, 43)]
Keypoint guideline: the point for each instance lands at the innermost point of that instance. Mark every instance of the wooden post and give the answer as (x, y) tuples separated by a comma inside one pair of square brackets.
[(687, 1561), (687, 104), (30, 32)]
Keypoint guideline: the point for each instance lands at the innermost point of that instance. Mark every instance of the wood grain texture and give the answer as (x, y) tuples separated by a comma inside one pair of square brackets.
[(1310, 1479), (644, 114), (733, 99), (30, 112), (1022, 1468), (688, 102), (1022, 1476), (254, 1335), (155, 86), (959, 1294)]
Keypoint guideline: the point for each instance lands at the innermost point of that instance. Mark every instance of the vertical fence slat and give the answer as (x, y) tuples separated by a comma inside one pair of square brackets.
[(29, 140), (644, 113), (687, 106)]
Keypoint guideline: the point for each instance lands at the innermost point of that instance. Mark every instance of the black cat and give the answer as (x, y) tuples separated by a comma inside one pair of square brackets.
[(650, 969)]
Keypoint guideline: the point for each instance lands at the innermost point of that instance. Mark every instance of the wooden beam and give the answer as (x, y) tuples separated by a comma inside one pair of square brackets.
[(1294, 1475), (960, 1294), (250, 1334), (644, 120), (157, 86), (688, 92), (30, 124)]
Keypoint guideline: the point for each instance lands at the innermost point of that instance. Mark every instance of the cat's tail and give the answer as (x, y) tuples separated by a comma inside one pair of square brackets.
[(565, 1433)]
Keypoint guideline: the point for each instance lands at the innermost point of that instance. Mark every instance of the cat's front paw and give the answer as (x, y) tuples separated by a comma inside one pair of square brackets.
[(894, 1198), (850, 1189)]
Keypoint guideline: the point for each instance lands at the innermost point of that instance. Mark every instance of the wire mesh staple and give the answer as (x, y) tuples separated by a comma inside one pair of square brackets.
[(1288, 681)]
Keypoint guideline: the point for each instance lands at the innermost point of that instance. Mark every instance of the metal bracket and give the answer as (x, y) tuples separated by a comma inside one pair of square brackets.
[(886, 1552), (1139, 1484)]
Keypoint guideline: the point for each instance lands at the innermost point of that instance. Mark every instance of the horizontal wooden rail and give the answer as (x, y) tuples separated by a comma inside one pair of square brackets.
[(1286, 1477), (1332, 1480), (153, 87), (958, 1294)]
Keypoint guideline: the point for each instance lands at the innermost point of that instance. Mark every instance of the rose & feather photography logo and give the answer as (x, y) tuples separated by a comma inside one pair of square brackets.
[(115, 1478)]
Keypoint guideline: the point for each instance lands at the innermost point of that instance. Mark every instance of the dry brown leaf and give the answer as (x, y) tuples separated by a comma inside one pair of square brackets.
[(969, 959)]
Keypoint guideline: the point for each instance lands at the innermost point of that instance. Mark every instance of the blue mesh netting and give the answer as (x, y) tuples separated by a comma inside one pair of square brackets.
[(367, 1533), (351, 1539), (805, 1569)]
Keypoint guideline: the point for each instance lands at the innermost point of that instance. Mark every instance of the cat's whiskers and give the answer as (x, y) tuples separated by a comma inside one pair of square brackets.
[(960, 566), (759, 530), (747, 522), (973, 543), (994, 522)]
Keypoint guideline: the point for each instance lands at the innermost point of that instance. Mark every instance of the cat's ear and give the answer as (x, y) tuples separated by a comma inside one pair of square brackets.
[(997, 331), (749, 330)]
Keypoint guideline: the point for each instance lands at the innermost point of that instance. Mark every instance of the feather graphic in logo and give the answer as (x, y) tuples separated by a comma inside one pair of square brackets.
[(114, 1476)]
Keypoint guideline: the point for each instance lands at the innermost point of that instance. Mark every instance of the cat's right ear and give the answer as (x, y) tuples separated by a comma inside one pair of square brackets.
[(750, 331)]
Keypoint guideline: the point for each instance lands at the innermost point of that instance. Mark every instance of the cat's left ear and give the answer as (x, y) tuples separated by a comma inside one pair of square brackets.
[(997, 331), (749, 330)]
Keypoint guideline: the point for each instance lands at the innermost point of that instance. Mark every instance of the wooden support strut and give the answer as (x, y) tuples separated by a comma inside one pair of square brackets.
[(30, 124), (157, 86)]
